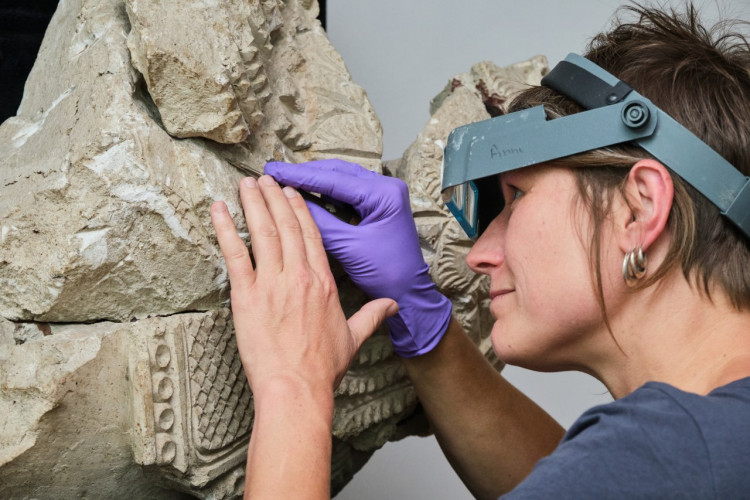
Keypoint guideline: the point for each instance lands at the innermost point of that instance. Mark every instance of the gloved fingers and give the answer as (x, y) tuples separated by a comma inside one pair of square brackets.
[(340, 181), (342, 187), (333, 231), (380, 192), (328, 165), (236, 256), (325, 220)]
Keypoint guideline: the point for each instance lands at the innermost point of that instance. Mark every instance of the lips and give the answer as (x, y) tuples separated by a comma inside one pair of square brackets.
[(500, 292)]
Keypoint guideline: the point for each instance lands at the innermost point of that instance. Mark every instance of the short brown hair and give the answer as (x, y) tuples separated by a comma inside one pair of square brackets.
[(701, 77)]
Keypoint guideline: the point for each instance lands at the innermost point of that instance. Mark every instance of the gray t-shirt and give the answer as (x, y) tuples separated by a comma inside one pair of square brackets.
[(657, 442)]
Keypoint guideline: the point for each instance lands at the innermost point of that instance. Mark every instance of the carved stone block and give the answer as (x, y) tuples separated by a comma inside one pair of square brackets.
[(168, 394), (119, 373), (114, 208)]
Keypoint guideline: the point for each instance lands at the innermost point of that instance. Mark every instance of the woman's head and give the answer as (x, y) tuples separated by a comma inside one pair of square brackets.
[(546, 311), (701, 78)]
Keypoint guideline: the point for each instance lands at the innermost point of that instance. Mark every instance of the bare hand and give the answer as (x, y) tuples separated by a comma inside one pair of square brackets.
[(289, 322)]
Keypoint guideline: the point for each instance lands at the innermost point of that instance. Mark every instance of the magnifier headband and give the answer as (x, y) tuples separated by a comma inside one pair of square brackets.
[(614, 114)]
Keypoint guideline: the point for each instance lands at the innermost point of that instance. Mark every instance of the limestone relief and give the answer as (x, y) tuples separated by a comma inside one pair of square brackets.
[(119, 376)]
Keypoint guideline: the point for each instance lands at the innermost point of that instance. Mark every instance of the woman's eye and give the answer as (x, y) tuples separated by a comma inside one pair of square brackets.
[(515, 193)]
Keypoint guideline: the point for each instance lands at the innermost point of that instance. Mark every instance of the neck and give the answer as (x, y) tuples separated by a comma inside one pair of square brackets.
[(674, 334)]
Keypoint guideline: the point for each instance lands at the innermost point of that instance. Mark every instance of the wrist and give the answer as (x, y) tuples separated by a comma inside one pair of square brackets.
[(290, 414), (289, 394), (421, 322)]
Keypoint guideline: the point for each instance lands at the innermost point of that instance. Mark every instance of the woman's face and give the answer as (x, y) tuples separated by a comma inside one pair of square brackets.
[(542, 293)]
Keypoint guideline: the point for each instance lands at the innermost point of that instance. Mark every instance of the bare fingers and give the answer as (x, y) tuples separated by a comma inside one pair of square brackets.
[(239, 265), (283, 233), (274, 228), (313, 242)]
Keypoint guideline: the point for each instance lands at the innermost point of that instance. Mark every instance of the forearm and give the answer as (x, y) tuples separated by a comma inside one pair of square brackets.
[(290, 448), (490, 432)]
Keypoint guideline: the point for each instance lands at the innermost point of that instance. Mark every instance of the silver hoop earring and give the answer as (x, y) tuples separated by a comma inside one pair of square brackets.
[(634, 266)]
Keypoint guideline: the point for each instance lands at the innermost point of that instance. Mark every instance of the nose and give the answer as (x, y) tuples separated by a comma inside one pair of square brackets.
[(487, 253)]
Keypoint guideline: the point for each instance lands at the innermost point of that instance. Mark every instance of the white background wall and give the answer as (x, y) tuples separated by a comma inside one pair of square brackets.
[(403, 52)]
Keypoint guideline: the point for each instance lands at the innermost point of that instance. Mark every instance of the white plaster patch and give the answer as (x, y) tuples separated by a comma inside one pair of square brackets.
[(221, 278), (117, 161), (93, 246), (55, 287), (422, 202), (85, 39), (222, 80), (32, 128), (4, 233), (92, 236)]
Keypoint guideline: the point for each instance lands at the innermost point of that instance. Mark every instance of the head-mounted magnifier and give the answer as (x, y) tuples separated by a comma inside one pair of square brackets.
[(614, 113)]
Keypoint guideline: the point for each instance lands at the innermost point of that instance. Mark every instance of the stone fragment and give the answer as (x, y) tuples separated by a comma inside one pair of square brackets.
[(261, 71), (65, 426), (164, 403), (104, 215), (119, 374)]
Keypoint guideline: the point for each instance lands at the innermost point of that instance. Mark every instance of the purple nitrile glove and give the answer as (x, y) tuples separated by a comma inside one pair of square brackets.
[(381, 254)]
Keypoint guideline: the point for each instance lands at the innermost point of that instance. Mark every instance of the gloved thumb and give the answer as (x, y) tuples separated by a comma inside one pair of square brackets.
[(365, 321), (324, 219), (336, 234)]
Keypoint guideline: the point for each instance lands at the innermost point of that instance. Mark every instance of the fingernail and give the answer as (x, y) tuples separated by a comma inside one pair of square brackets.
[(289, 192), (219, 207), (392, 309), (250, 182), (267, 180)]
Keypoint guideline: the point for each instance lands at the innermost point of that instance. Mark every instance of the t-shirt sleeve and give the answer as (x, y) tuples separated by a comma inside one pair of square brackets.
[(645, 446)]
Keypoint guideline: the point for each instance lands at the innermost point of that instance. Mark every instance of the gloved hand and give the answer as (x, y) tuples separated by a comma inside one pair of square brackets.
[(381, 254)]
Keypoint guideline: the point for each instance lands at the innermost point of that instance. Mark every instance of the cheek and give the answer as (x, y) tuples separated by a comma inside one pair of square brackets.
[(547, 334), (550, 310)]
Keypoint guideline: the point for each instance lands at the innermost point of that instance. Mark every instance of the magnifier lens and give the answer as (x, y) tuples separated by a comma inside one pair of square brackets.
[(463, 206)]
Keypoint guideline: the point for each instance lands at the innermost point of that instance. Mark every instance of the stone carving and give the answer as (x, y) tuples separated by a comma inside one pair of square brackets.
[(124, 203), (192, 399), (119, 376)]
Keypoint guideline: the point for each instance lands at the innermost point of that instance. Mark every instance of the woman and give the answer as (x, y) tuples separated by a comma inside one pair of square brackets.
[(571, 288)]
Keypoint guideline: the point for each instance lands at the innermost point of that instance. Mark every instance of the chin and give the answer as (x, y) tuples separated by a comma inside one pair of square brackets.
[(505, 349), (523, 355), (512, 357)]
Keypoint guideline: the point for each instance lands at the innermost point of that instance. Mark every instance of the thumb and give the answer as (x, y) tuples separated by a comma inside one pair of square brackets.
[(365, 321), (338, 236), (325, 220)]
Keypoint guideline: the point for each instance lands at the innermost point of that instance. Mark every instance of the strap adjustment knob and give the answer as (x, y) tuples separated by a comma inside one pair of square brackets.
[(635, 114)]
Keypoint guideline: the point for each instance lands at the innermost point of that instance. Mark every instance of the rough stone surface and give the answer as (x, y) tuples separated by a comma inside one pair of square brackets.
[(65, 427), (161, 404), (119, 375), (103, 212)]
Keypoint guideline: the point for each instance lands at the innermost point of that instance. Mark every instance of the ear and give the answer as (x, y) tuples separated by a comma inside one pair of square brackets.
[(649, 194)]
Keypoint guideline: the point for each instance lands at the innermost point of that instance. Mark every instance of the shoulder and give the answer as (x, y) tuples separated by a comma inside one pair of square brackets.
[(657, 442)]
